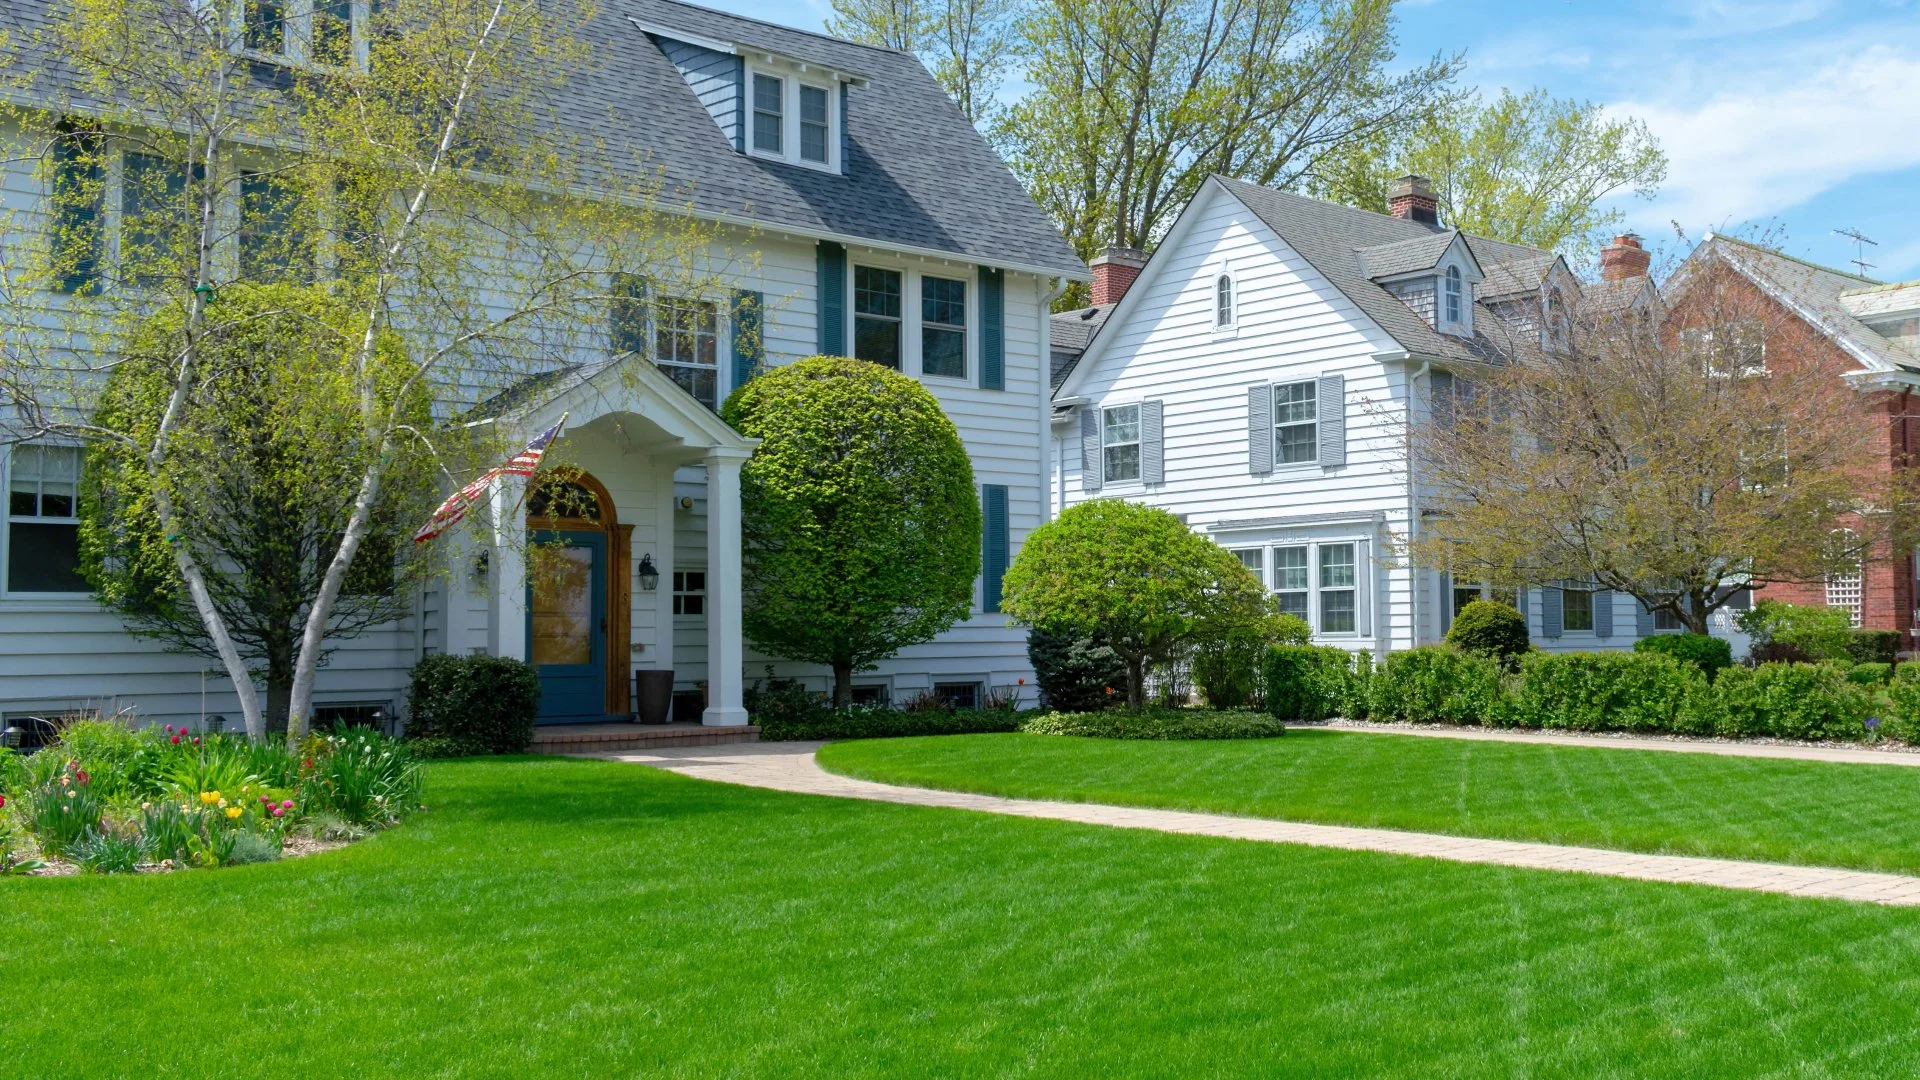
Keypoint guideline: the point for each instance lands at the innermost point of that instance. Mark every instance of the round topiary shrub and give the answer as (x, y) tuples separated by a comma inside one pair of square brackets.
[(1491, 629), (473, 704), (1704, 651)]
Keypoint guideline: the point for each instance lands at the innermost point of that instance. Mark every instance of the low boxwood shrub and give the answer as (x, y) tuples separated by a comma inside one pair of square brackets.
[(882, 722), (1076, 674), (1437, 684), (1491, 629), (1870, 674), (1790, 701), (1604, 691), (1704, 651), (1902, 721), (1164, 724), (1309, 683), (473, 704), (1874, 646)]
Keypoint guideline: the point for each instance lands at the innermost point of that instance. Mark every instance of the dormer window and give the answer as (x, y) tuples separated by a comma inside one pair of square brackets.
[(320, 33), (769, 114), (1455, 297), (813, 124)]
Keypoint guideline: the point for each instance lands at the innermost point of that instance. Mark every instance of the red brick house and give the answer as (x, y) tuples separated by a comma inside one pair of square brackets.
[(1868, 334)]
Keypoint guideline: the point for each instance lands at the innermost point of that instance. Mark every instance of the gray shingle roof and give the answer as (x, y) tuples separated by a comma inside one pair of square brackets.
[(1331, 236), (1072, 332), (917, 173), (1405, 256), (1814, 292)]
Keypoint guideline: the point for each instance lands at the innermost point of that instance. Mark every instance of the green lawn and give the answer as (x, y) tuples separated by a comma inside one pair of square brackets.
[(1862, 816), (563, 918)]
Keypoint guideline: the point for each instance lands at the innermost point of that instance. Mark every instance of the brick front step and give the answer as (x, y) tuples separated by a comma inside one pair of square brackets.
[(603, 738)]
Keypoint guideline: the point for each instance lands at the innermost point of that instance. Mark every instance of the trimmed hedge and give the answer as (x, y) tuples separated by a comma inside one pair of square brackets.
[(881, 722), (1165, 724), (1874, 646), (1789, 701), (1605, 691), (1309, 683), (1436, 684), (1870, 674), (1903, 719), (1704, 651), (465, 705)]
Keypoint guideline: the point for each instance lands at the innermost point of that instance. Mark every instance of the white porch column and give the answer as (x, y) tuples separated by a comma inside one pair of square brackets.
[(726, 654), (667, 504), (507, 624)]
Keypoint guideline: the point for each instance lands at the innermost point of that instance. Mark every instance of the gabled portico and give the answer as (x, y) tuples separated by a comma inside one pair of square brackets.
[(589, 621)]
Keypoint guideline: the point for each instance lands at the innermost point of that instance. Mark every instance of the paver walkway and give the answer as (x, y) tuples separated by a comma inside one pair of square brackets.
[(791, 767), (1842, 755)]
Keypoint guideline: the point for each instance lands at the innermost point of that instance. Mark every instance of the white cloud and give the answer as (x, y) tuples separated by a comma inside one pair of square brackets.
[(1782, 136)]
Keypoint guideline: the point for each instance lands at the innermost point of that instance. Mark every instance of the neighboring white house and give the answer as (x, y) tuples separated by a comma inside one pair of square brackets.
[(1258, 377), (885, 228)]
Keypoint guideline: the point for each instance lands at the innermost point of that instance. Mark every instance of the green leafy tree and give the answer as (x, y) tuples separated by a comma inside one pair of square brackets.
[(860, 529), (967, 44), (261, 473), (1134, 575), (1525, 168), (1134, 103)]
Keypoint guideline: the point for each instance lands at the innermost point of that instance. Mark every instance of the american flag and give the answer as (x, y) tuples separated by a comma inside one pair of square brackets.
[(521, 464)]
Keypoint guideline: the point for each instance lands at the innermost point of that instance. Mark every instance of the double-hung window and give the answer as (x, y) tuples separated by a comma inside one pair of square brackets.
[(1456, 297), (686, 345), (813, 124), (1338, 589), (1296, 435), (943, 327), (265, 28), (1254, 559), (1576, 610), (43, 520), (272, 231), (1290, 580), (769, 114), (319, 32), (1120, 442), (151, 191), (876, 315)]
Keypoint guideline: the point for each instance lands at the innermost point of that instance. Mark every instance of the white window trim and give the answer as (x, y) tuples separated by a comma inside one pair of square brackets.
[(1464, 323), (910, 312), (722, 343), (968, 319), (1138, 442), (1363, 585), (792, 77), (1593, 592), (673, 594), (1279, 466), (1232, 322), (58, 601), (297, 34)]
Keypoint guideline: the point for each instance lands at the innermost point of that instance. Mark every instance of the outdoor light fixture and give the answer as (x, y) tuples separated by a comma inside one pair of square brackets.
[(649, 574), (482, 563)]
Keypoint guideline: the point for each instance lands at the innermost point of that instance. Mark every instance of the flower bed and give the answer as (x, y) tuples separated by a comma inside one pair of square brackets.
[(108, 798)]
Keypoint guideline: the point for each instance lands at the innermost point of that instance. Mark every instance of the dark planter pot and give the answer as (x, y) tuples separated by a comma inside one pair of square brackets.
[(652, 695)]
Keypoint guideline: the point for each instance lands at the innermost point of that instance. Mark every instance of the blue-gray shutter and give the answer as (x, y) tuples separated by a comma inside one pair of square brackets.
[(1552, 612), (627, 315), (993, 329), (78, 192), (1446, 602), (1260, 429), (1603, 613), (831, 281), (995, 544), (1093, 472), (749, 345), (1520, 601), (1642, 620), (1153, 458), (740, 104), (1332, 418)]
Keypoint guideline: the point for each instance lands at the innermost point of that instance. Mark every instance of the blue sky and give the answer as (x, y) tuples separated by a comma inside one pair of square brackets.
[(1797, 116)]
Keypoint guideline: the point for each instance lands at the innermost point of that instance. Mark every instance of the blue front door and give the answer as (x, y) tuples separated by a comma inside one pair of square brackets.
[(567, 627)]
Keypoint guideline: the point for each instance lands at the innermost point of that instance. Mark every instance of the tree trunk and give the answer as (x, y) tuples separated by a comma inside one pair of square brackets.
[(1136, 682), (306, 665), (1693, 614), (279, 688), (842, 683)]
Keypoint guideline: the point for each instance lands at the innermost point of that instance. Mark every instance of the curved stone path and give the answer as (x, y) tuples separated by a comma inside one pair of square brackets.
[(791, 767)]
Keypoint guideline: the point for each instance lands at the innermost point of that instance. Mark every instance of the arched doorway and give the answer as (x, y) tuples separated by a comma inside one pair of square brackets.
[(579, 602)]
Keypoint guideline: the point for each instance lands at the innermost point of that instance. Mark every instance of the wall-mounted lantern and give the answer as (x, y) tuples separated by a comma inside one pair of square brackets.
[(649, 574)]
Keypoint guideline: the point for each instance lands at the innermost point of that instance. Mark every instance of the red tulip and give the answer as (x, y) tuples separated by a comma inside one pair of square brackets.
[(196, 740), (169, 729), (175, 740)]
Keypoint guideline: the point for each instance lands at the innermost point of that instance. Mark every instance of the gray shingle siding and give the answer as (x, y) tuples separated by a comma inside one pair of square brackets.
[(1417, 295), (715, 78)]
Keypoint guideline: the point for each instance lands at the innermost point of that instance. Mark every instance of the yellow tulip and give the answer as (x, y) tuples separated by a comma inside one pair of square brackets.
[(233, 811)]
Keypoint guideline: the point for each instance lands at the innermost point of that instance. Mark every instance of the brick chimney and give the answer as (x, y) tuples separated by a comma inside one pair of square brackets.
[(1412, 199), (1114, 271), (1624, 259)]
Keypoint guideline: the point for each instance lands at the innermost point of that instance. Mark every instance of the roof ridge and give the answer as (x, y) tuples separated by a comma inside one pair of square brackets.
[(1435, 230), (789, 29), (1778, 254)]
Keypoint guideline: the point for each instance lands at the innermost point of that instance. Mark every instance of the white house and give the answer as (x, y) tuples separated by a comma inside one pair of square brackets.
[(1258, 376), (885, 228)]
